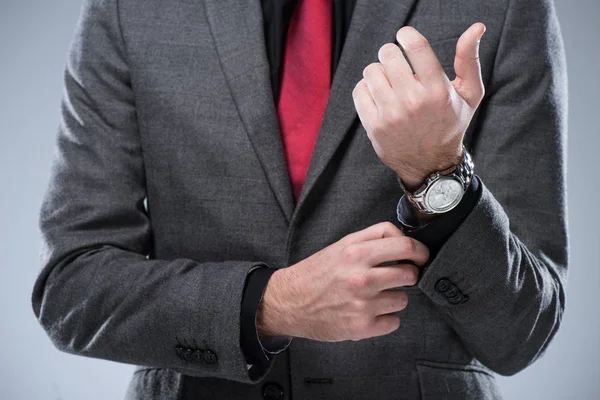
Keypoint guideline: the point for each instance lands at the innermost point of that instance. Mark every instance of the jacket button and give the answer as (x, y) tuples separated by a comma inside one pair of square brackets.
[(456, 299), (198, 356), (273, 391), (452, 292), (209, 357), (179, 351), (188, 355), (443, 285)]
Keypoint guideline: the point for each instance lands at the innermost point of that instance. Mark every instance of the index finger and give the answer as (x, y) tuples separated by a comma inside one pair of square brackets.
[(399, 249), (421, 56), (377, 231)]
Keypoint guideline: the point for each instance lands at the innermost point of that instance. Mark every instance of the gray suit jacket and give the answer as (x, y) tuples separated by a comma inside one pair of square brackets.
[(170, 184)]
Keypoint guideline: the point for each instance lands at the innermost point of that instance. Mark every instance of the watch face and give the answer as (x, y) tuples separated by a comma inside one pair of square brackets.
[(444, 194)]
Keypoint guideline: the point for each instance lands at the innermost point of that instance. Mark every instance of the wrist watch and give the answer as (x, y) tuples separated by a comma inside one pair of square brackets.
[(442, 192)]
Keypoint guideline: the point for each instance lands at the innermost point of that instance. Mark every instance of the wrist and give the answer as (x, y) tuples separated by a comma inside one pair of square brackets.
[(273, 317), (442, 190), (414, 178), (411, 184)]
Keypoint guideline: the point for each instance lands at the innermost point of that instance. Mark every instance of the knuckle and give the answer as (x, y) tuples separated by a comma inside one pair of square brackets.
[(440, 96), (353, 253), (413, 105), (388, 324), (392, 116), (371, 69), (359, 281), (482, 92), (403, 300), (476, 96), (394, 322), (410, 275), (378, 126), (344, 242), (412, 40), (407, 245), (362, 85), (359, 87), (468, 56), (388, 226), (415, 275), (397, 303), (388, 51), (359, 306), (360, 326), (417, 44), (355, 332)]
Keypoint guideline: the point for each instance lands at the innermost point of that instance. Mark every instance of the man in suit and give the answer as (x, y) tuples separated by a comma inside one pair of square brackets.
[(274, 200)]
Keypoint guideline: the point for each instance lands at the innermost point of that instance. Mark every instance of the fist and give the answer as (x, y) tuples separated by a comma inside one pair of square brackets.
[(417, 121), (341, 292)]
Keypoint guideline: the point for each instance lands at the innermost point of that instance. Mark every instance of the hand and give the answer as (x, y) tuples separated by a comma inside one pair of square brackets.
[(416, 122), (340, 292)]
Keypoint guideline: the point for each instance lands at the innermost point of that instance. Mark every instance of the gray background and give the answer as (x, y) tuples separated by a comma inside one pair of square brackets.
[(34, 37)]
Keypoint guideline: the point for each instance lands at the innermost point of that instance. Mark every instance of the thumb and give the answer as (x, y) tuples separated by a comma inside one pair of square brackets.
[(468, 82)]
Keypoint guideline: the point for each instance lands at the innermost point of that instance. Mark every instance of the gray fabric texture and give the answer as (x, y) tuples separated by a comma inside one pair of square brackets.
[(170, 103)]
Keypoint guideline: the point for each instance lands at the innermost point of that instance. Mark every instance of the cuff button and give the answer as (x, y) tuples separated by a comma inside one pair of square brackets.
[(209, 357), (455, 299), (443, 285), (197, 356), (452, 292), (188, 355)]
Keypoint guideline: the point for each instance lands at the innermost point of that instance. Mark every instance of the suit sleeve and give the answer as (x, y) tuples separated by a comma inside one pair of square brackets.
[(499, 280), (434, 234), (100, 293)]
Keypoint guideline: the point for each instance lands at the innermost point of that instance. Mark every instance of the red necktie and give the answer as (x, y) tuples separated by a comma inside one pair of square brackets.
[(305, 85)]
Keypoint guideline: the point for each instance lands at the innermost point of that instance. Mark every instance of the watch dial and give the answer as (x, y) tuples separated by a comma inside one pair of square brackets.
[(444, 194)]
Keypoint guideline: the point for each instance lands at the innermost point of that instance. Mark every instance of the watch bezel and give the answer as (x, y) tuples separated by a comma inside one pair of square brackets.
[(439, 179)]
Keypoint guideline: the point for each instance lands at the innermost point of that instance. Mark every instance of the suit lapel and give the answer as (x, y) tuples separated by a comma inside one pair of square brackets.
[(373, 24), (237, 28)]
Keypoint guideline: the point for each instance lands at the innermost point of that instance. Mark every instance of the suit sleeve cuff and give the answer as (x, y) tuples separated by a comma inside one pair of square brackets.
[(436, 232)]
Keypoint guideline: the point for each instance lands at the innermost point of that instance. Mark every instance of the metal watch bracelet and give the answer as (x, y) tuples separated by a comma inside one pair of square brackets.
[(463, 173)]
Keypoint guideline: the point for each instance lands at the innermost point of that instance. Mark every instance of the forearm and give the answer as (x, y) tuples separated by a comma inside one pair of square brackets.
[(513, 299), (114, 304), (435, 232), (507, 262)]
